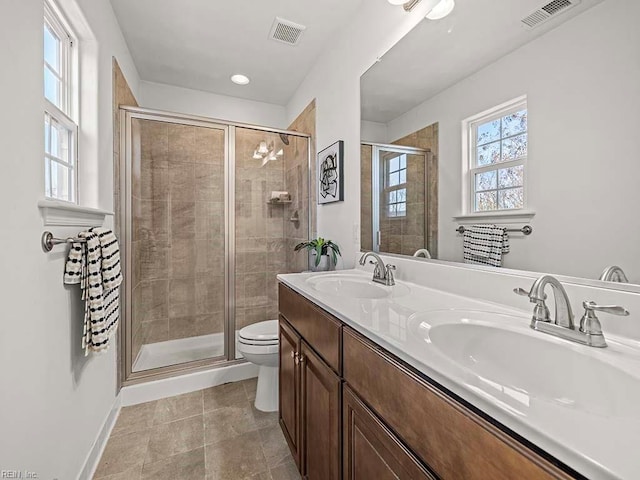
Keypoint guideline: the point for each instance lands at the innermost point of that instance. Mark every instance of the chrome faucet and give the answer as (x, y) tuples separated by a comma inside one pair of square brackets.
[(381, 273), (589, 332), (423, 252), (614, 274)]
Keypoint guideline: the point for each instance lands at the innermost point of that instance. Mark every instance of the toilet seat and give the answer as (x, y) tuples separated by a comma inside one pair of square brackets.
[(260, 334)]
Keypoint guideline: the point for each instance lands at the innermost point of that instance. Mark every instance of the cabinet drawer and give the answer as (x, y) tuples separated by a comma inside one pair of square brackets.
[(455, 442), (320, 330), (371, 450)]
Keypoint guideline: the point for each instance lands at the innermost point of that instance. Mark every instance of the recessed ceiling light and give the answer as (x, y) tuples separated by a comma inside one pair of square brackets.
[(441, 10), (240, 79)]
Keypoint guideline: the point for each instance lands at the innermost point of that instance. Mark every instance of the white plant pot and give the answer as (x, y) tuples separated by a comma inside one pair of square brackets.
[(325, 265)]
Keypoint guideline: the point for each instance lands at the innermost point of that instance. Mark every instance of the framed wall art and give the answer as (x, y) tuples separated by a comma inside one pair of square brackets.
[(330, 174)]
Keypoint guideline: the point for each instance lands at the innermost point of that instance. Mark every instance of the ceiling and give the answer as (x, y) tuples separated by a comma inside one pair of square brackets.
[(199, 44), (438, 54)]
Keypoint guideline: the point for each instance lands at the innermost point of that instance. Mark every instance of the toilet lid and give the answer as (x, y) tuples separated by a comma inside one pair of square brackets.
[(261, 332)]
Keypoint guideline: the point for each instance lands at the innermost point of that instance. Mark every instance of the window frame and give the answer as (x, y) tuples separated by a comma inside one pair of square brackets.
[(470, 169), (64, 114), (387, 189)]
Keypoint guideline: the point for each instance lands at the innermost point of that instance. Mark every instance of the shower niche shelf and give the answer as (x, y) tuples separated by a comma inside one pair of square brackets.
[(279, 202)]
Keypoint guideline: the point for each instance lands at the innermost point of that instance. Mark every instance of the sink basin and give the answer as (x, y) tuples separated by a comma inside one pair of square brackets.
[(507, 360), (355, 286)]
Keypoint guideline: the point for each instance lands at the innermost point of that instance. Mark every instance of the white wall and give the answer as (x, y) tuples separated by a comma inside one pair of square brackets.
[(374, 132), (54, 400), (334, 82), (583, 97), (196, 102)]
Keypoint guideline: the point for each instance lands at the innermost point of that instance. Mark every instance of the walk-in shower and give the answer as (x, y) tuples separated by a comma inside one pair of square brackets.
[(396, 199), (203, 240)]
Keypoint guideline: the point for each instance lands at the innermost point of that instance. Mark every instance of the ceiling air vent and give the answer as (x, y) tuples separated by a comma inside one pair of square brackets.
[(549, 10), (286, 31)]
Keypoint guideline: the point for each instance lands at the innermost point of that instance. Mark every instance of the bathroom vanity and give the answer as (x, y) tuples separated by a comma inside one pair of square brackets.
[(342, 397), (358, 400)]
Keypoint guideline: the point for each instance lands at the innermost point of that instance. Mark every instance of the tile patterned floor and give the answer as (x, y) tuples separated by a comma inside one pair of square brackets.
[(212, 434)]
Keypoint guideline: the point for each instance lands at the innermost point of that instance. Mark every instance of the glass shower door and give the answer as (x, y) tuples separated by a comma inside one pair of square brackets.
[(176, 209)]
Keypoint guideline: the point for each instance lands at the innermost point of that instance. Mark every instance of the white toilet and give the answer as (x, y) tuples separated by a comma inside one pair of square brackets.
[(258, 343)]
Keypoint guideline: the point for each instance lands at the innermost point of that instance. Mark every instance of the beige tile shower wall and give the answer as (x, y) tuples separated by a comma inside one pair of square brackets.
[(177, 231), (260, 229), (297, 183), (427, 139), (366, 207)]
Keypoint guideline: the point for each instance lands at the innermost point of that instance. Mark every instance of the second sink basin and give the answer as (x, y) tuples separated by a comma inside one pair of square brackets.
[(510, 360), (355, 286)]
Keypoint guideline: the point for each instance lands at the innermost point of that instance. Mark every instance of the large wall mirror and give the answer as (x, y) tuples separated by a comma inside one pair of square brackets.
[(511, 142)]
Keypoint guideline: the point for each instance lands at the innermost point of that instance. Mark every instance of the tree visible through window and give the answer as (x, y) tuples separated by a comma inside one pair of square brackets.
[(395, 188), (497, 160), (60, 130)]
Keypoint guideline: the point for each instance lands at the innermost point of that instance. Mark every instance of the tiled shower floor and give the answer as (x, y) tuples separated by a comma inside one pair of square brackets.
[(212, 434)]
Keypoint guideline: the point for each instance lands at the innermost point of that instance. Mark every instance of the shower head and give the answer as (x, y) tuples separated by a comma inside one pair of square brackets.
[(285, 138)]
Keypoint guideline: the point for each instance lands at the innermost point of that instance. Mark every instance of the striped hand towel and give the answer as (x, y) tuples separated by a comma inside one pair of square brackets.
[(485, 245), (95, 265)]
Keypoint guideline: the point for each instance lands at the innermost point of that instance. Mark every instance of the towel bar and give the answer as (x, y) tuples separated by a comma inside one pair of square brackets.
[(49, 241), (527, 229)]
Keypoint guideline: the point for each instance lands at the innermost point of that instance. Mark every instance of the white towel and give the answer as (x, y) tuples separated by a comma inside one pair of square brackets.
[(485, 244), (95, 265)]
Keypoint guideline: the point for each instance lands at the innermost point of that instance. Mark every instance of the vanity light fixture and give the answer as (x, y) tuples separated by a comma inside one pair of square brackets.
[(256, 155), (263, 148), (240, 79), (441, 10)]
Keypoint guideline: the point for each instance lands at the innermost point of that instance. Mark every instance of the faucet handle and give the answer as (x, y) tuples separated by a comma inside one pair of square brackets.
[(589, 323), (388, 274), (521, 291)]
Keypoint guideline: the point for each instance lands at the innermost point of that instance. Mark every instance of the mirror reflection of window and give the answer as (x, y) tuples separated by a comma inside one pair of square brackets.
[(497, 158), (395, 187)]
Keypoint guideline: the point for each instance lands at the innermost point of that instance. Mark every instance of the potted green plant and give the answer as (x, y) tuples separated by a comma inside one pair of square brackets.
[(325, 252)]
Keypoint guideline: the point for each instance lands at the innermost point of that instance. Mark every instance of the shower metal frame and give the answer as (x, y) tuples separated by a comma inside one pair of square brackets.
[(376, 148), (127, 113)]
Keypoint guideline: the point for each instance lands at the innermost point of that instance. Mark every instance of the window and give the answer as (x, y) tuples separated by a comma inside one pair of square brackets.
[(395, 185), (60, 130), (497, 158)]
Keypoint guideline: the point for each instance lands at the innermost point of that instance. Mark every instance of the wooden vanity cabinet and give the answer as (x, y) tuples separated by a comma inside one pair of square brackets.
[(350, 410), (310, 386), (371, 450)]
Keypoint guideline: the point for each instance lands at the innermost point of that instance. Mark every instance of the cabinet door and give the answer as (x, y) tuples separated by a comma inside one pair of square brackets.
[(320, 418), (289, 388), (371, 450)]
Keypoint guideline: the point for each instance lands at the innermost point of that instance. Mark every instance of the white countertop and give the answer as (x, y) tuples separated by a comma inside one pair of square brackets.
[(597, 443)]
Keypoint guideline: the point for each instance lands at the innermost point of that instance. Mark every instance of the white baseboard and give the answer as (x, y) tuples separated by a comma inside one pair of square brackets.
[(191, 382), (91, 462)]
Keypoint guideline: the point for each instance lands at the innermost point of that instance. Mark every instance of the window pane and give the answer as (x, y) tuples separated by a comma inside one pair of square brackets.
[(51, 87), (47, 136), (60, 182), (486, 201), (486, 181), (514, 148), (488, 132), (394, 164), (511, 177), (511, 198), (394, 179), (403, 161), (47, 176), (392, 210), (488, 154), (514, 123), (392, 197), (60, 141), (401, 195), (403, 176), (51, 49), (401, 209)]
